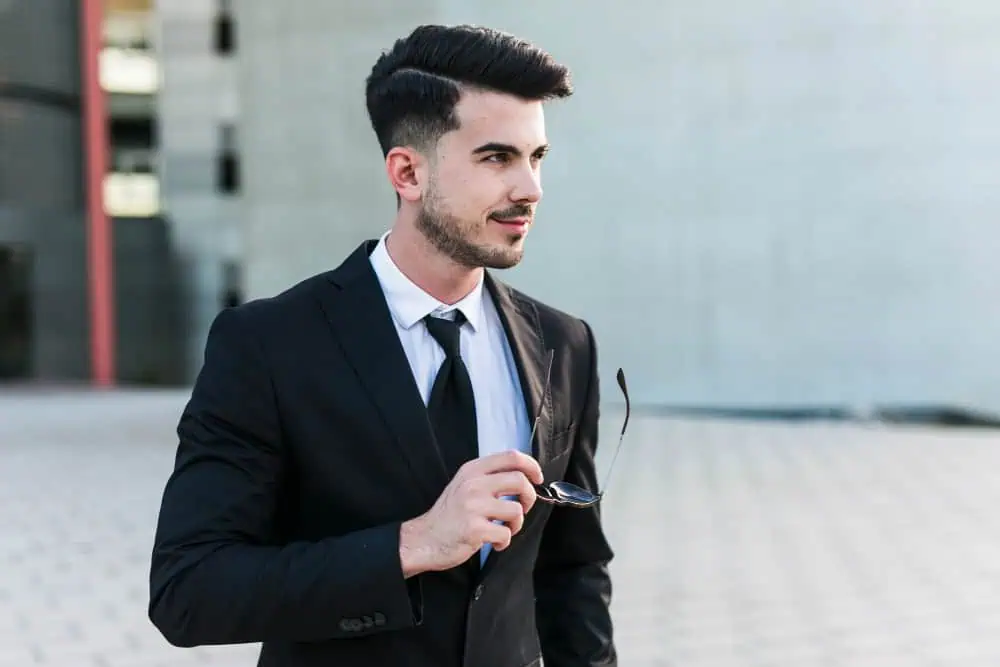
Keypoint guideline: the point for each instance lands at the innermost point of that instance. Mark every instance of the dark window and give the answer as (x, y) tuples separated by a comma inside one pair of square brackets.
[(228, 161), (16, 314), (133, 132), (232, 292), (225, 29)]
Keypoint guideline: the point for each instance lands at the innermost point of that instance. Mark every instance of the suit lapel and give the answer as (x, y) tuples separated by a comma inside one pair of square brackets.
[(361, 322), (524, 332), (519, 317)]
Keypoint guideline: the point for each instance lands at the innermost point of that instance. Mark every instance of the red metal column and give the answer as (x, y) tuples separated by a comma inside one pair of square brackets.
[(100, 282)]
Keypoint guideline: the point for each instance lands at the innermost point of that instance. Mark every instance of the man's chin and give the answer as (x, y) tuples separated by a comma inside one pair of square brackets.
[(504, 258)]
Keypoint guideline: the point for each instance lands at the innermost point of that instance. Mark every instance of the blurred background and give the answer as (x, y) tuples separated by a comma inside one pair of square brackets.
[(781, 211)]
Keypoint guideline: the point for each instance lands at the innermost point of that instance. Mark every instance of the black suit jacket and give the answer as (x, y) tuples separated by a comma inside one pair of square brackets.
[(304, 446)]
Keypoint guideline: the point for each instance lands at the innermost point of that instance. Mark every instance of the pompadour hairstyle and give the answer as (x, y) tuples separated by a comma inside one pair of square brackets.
[(413, 88)]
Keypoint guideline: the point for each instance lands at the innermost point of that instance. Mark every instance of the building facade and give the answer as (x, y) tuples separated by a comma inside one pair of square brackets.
[(198, 115), (45, 325)]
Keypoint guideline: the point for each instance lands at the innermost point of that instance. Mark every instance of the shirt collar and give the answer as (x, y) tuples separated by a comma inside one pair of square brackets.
[(409, 304)]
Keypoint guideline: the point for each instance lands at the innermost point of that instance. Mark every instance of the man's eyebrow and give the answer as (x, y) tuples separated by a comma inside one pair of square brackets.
[(495, 147)]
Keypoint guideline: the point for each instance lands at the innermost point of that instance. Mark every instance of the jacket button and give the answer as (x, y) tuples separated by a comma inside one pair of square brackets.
[(478, 592)]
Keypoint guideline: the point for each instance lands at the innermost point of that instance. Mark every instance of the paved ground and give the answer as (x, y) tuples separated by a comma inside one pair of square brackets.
[(738, 544)]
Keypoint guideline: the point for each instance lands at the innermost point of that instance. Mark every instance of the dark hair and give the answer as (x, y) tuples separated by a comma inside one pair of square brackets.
[(413, 88)]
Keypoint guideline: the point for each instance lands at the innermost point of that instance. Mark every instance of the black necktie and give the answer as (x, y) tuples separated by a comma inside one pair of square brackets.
[(452, 407)]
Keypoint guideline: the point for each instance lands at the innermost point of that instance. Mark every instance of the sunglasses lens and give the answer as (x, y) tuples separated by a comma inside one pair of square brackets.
[(571, 494)]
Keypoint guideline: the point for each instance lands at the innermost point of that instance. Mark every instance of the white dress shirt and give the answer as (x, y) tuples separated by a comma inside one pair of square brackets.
[(501, 414)]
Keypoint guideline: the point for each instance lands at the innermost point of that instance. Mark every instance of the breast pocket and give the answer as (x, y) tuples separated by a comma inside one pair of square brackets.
[(560, 446)]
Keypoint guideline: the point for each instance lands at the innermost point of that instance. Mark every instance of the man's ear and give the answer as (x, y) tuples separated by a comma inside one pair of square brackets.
[(405, 169)]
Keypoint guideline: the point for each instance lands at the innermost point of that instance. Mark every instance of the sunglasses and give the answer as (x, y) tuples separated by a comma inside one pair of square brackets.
[(567, 494)]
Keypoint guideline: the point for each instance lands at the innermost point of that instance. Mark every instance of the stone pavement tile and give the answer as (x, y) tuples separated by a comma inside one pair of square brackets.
[(170, 656), (838, 534), (16, 655), (738, 544), (958, 654)]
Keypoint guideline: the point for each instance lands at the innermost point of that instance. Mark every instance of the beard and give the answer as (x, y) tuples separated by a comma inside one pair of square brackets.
[(452, 237)]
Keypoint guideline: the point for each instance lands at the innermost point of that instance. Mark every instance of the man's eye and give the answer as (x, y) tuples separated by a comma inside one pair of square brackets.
[(499, 158)]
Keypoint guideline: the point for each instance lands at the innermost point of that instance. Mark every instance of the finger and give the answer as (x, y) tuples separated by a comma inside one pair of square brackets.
[(498, 535), (527, 498), (510, 512), (510, 484), (520, 489), (509, 461)]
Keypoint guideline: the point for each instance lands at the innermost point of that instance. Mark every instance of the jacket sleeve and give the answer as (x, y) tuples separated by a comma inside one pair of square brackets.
[(220, 573), (572, 582)]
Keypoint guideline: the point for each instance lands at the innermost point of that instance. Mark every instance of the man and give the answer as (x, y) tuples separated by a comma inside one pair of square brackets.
[(354, 482)]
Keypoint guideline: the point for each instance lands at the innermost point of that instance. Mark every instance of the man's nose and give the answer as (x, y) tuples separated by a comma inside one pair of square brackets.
[(528, 188)]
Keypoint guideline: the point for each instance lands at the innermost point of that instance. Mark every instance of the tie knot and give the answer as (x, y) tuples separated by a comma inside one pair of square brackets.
[(447, 333)]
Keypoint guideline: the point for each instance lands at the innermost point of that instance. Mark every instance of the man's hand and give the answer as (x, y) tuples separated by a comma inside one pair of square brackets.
[(463, 518)]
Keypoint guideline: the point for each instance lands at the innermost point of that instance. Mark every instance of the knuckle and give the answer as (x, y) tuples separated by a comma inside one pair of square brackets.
[(473, 486), (471, 505), (529, 499), (515, 514), (527, 491), (480, 531)]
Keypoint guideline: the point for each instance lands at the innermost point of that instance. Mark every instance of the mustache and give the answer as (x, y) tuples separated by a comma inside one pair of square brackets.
[(515, 211)]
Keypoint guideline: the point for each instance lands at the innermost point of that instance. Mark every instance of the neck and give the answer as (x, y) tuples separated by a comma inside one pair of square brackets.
[(427, 268)]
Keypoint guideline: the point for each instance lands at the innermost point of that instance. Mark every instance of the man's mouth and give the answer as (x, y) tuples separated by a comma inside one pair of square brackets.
[(515, 216), (518, 222)]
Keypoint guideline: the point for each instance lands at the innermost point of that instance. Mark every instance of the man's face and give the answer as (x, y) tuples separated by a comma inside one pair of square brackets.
[(484, 181)]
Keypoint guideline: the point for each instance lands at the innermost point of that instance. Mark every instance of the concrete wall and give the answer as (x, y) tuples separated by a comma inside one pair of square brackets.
[(753, 203), (314, 188), (150, 316), (792, 204)]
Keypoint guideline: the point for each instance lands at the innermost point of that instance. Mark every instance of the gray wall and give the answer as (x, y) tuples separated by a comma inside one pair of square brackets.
[(753, 203), (314, 185), (150, 320)]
